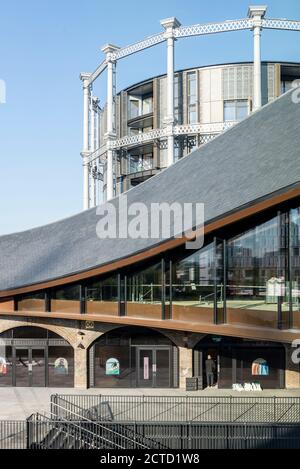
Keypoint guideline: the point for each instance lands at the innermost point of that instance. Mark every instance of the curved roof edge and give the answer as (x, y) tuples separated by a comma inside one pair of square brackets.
[(252, 166)]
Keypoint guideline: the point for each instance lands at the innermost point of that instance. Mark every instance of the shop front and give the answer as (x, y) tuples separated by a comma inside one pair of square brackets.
[(240, 361), (133, 357), (32, 356)]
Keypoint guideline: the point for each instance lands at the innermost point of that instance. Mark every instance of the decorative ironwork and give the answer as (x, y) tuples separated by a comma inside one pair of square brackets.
[(138, 46), (290, 25), (202, 128), (196, 30), (158, 137), (97, 72), (132, 140), (212, 28)]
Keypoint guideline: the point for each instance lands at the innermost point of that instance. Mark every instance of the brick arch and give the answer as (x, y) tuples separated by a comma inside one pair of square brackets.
[(64, 332), (173, 339)]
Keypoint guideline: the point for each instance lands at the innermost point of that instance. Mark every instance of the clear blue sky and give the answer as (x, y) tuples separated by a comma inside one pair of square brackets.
[(44, 44)]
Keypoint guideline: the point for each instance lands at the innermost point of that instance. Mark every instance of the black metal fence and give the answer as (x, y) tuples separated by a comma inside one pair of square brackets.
[(162, 435), (13, 434), (178, 408), (158, 422)]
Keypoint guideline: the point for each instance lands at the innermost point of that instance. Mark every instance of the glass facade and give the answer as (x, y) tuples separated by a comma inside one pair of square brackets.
[(66, 299), (249, 275), (33, 356), (132, 357), (102, 296), (193, 279), (145, 288), (32, 302), (295, 264), (256, 269), (240, 361)]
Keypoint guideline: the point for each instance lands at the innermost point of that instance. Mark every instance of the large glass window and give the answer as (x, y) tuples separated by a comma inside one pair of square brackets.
[(6, 365), (235, 110), (139, 106), (125, 358), (295, 263), (256, 272), (133, 108), (102, 296), (61, 366), (145, 288), (192, 97), (142, 162), (66, 299), (147, 104), (32, 302), (193, 283)]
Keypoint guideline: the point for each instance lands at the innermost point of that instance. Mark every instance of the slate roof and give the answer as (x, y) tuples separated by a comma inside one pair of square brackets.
[(254, 159)]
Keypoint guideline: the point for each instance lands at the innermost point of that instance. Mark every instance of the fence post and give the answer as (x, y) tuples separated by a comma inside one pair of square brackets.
[(134, 435), (230, 409), (274, 420), (28, 439), (189, 435)]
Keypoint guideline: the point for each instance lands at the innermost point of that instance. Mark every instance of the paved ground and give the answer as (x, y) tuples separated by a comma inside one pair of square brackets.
[(19, 403)]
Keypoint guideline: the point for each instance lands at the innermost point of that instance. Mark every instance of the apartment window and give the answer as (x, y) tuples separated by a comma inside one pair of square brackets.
[(192, 97), (147, 105), (139, 106), (235, 110), (133, 108), (178, 99)]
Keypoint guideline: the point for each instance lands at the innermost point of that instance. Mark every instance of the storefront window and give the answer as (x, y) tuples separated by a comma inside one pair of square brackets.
[(34, 356), (295, 263), (193, 286), (256, 277), (126, 357), (66, 299), (32, 302), (145, 288), (61, 366), (6, 367), (102, 296)]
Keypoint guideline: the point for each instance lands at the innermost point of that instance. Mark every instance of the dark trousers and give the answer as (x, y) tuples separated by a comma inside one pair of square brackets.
[(210, 378)]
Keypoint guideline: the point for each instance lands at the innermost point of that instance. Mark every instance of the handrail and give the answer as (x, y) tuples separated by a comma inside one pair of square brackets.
[(81, 416)]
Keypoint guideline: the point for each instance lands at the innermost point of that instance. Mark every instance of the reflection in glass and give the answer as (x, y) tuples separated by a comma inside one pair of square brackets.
[(295, 261), (66, 299), (102, 296), (145, 286), (32, 302), (193, 279), (256, 268)]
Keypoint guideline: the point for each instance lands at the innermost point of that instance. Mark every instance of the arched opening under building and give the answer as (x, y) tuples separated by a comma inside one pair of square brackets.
[(34, 356), (130, 357), (239, 361)]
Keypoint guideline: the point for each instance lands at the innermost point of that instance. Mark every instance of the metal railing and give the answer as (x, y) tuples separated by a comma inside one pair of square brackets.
[(41, 432), (13, 434), (91, 426), (164, 435), (178, 408)]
